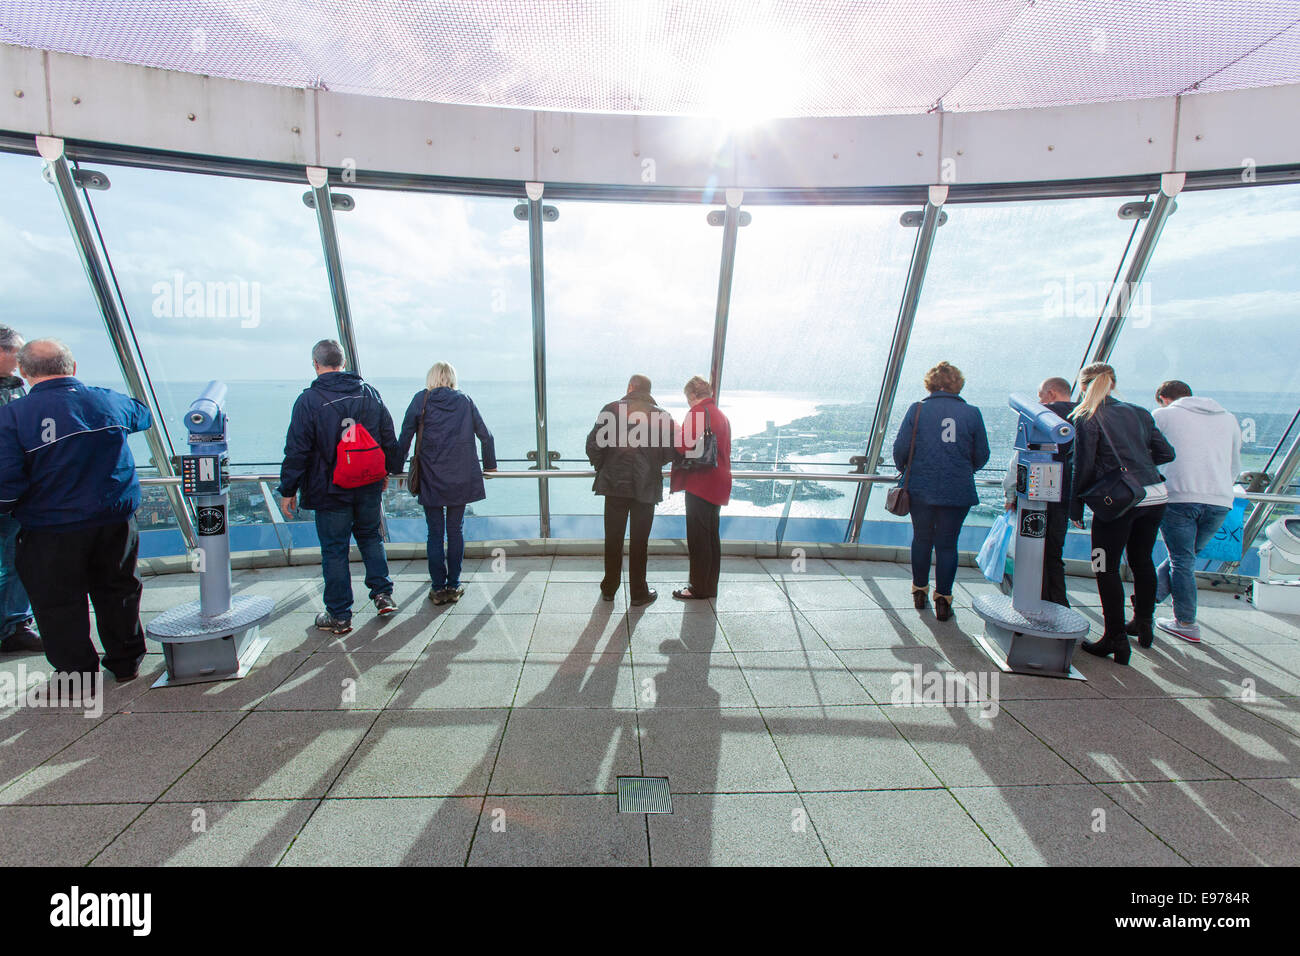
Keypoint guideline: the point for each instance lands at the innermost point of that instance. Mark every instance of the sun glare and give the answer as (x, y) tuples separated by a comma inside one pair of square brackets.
[(752, 80)]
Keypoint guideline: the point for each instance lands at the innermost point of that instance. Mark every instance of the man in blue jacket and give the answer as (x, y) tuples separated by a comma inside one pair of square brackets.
[(16, 634), (67, 476), (336, 401)]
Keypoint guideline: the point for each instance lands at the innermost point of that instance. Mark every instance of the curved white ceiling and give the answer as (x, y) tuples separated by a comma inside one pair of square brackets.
[(791, 58)]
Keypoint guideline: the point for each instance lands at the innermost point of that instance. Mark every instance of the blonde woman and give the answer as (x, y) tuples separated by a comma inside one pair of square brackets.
[(1114, 438), (450, 476)]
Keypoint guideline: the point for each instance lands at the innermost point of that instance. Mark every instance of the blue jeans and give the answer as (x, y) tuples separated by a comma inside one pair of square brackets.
[(1187, 528), (334, 528), (15, 609), (935, 528), (444, 566)]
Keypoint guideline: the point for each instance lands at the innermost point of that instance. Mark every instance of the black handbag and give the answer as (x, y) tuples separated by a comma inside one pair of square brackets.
[(413, 476), (1115, 493), (898, 501), (708, 450)]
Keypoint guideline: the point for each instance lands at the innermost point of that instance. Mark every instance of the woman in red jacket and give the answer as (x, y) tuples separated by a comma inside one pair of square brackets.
[(707, 490)]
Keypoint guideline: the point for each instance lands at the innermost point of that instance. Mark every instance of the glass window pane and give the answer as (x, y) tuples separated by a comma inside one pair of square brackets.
[(445, 278), (1218, 309), (223, 279), (1011, 297), (813, 309), (630, 288), (43, 287), (44, 292)]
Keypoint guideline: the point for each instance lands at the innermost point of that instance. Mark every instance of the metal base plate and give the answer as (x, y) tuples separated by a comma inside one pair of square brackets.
[(187, 623), (1054, 621), (1042, 645), (997, 656), (252, 651)]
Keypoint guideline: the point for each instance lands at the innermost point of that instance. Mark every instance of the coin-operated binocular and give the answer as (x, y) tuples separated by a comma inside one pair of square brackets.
[(218, 636), (1023, 633)]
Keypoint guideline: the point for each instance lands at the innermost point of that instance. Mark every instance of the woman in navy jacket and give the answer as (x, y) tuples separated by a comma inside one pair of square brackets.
[(951, 445), (450, 476)]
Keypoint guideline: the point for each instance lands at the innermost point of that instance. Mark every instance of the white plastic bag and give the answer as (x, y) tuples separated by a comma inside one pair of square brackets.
[(992, 558)]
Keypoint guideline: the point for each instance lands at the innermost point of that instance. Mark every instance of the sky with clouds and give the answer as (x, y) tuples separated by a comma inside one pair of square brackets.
[(1012, 293)]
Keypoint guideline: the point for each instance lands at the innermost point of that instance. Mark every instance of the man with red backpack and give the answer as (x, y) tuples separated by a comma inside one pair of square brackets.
[(340, 449)]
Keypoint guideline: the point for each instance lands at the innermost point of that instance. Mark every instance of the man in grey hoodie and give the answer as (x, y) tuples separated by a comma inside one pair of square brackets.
[(17, 634), (1208, 441)]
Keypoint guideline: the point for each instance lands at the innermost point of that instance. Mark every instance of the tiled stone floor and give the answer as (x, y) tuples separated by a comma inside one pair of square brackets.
[(493, 731)]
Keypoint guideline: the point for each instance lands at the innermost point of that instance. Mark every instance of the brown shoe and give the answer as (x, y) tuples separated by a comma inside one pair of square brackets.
[(943, 606), (920, 597)]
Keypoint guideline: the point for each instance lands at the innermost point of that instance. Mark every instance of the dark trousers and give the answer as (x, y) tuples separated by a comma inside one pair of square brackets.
[(333, 529), (445, 563), (935, 528), (704, 544), (1134, 534), (60, 569), (1058, 524), (617, 512)]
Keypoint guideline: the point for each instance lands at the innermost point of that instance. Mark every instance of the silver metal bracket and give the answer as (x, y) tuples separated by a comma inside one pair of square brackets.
[(718, 216), (1135, 210), (549, 213), (912, 218), (551, 456), (83, 178), (340, 201)]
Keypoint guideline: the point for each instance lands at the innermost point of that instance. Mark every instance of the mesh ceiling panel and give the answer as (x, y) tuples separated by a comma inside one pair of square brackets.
[(695, 57)]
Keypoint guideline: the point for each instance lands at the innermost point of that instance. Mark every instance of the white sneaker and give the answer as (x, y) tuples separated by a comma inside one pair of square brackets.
[(1188, 632)]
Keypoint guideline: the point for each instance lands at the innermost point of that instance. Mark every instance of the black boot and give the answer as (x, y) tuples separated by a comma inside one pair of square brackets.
[(1143, 628), (1116, 644)]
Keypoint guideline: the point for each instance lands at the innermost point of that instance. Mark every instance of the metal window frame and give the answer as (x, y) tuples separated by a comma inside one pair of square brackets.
[(726, 277), (1282, 478), (94, 261), (1171, 184), (318, 179), (898, 351), (537, 285), (1140, 184)]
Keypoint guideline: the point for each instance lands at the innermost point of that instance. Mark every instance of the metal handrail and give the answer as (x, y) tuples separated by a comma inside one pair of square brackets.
[(758, 475)]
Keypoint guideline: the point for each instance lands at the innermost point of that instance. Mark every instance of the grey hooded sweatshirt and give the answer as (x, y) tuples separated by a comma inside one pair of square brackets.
[(1208, 442)]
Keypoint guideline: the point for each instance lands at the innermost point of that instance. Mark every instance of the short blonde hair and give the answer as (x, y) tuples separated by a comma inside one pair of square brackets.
[(698, 387), (442, 375), (944, 378)]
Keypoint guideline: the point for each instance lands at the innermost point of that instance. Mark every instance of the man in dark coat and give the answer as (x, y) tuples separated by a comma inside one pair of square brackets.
[(1054, 394), (336, 401), (16, 633), (628, 446), (67, 476)]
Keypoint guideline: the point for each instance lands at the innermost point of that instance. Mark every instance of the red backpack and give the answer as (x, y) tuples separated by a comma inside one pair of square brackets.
[(358, 459)]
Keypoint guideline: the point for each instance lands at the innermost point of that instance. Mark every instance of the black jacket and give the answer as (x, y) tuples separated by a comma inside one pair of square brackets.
[(629, 445), (1139, 443), (1065, 453), (315, 428)]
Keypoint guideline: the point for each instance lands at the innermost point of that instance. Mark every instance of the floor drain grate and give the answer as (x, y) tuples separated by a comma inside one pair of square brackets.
[(644, 795)]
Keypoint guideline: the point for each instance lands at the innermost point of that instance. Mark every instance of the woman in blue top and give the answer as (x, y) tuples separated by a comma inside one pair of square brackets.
[(450, 476), (951, 446)]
